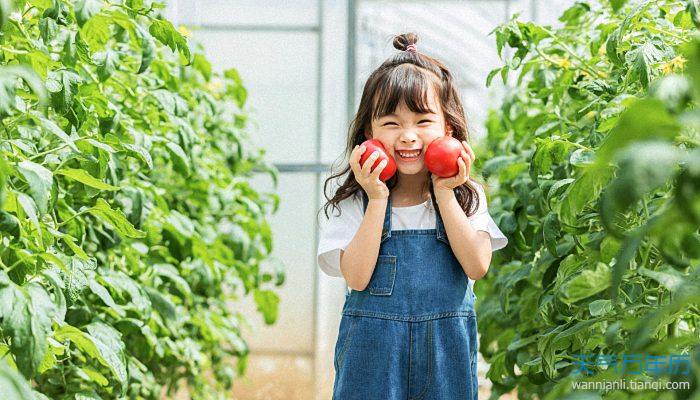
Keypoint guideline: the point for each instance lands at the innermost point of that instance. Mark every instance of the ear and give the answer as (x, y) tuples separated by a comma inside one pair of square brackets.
[(368, 135)]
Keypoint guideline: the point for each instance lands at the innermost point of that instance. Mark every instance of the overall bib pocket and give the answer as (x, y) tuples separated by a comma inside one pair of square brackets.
[(382, 282)]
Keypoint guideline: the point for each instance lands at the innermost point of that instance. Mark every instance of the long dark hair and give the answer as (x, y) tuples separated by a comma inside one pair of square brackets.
[(405, 76)]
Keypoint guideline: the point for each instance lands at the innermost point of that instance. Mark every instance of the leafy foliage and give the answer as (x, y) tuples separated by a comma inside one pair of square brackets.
[(128, 228), (595, 149)]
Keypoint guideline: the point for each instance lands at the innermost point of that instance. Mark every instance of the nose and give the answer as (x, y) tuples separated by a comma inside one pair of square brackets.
[(408, 136)]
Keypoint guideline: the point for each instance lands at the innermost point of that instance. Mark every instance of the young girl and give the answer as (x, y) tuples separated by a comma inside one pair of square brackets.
[(409, 249)]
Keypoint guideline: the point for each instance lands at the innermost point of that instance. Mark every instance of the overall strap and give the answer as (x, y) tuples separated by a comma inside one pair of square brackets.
[(386, 230), (440, 232)]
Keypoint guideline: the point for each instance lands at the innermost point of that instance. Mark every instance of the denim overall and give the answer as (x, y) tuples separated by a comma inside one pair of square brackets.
[(411, 334)]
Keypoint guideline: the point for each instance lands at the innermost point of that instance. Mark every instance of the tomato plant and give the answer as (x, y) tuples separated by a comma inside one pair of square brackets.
[(595, 151), (128, 228)]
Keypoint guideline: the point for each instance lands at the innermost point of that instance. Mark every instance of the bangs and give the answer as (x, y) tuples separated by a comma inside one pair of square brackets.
[(409, 84)]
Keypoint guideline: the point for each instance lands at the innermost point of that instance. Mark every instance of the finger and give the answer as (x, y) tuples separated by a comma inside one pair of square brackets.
[(462, 170), (355, 160), (465, 156), (469, 150), (467, 171), (367, 166), (375, 174), (357, 151)]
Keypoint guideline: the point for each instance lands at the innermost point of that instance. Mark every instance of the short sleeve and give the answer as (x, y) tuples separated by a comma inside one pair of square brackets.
[(336, 233), (482, 221)]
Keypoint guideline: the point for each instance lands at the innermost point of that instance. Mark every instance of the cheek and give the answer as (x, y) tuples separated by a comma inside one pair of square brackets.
[(386, 138), (428, 137)]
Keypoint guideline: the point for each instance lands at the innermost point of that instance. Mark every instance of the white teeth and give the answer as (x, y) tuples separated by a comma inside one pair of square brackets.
[(409, 154)]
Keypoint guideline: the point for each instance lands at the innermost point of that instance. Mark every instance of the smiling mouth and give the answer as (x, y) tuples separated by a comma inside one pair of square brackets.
[(408, 155)]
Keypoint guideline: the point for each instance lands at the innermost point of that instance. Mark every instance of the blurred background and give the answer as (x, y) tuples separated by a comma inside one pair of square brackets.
[(304, 63)]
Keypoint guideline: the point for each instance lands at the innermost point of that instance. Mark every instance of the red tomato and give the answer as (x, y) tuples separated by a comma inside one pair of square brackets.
[(372, 145), (441, 156)]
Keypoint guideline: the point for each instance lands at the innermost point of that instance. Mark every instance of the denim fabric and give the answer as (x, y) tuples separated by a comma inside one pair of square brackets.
[(411, 334)]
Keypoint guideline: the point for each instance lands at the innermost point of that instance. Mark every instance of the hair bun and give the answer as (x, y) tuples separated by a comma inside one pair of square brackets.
[(401, 42)]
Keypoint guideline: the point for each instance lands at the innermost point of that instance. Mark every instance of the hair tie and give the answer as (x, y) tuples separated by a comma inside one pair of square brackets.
[(411, 48)]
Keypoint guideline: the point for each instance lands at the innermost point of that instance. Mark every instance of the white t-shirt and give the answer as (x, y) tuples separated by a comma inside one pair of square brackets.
[(336, 232)]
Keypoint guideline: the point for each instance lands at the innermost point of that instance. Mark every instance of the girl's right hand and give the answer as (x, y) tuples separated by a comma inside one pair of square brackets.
[(368, 179)]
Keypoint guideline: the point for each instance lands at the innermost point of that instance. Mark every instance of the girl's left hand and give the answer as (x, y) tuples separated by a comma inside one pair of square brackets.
[(465, 160)]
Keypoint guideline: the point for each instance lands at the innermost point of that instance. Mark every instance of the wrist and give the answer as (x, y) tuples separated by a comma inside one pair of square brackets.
[(378, 202), (442, 195)]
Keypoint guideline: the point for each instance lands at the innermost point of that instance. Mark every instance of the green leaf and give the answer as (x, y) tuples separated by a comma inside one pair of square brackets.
[(106, 62), (646, 119), (70, 242), (27, 312), (103, 344), (87, 396), (667, 277), (13, 385), (550, 232), (80, 339), (48, 29), (148, 48), (85, 9), (548, 152), (490, 76), (237, 90), (76, 276), (55, 130), (573, 14), (586, 284), (106, 298), (5, 10), (123, 284), (166, 33), (52, 276), (638, 177), (581, 157), (96, 31), (63, 85), (85, 178), (116, 219), (109, 344), (201, 64), (165, 307), (617, 4), (30, 209), (584, 190), (268, 303), (8, 86), (600, 307), (613, 42), (94, 376), (180, 160), (5, 171), (625, 257), (40, 180), (9, 225), (641, 60)]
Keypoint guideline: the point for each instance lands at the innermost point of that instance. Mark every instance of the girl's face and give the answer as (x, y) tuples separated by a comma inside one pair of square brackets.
[(406, 134)]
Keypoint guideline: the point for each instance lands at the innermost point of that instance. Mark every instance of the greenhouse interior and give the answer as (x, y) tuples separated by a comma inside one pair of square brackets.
[(170, 173)]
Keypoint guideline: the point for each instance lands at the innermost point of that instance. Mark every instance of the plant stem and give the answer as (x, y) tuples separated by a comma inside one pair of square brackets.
[(13, 51), (589, 68), (665, 32), (60, 224)]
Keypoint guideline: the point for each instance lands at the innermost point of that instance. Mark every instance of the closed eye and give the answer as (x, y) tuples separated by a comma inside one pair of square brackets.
[(425, 120)]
